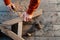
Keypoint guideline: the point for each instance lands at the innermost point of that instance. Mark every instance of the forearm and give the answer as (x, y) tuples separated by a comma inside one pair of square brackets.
[(32, 6)]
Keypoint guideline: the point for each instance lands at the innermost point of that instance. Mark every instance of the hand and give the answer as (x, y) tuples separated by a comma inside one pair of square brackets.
[(26, 17), (11, 7)]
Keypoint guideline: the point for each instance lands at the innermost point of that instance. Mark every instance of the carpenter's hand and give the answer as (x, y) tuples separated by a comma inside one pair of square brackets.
[(27, 17), (11, 7)]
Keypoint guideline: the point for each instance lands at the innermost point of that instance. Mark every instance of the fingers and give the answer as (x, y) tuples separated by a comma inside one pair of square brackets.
[(26, 17)]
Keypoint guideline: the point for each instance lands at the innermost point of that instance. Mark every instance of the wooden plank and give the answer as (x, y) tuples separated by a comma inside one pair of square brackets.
[(12, 21), (20, 25), (37, 13), (10, 33), (5, 24)]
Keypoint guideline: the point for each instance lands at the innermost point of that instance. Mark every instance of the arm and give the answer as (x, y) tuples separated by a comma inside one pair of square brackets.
[(32, 6), (9, 4)]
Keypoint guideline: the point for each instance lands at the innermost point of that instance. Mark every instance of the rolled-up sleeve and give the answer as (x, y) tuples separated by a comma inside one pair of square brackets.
[(7, 2), (32, 6)]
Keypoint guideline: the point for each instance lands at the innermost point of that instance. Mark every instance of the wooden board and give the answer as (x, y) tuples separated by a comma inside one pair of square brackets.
[(37, 13), (12, 21)]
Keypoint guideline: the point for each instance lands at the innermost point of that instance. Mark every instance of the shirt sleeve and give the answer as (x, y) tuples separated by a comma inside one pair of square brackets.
[(7, 2), (32, 6)]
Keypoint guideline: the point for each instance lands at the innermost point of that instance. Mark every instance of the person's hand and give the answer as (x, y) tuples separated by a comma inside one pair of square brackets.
[(26, 17), (11, 7)]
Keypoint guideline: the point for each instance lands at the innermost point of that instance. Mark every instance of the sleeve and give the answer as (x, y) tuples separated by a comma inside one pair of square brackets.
[(7, 2), (32, 6)]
